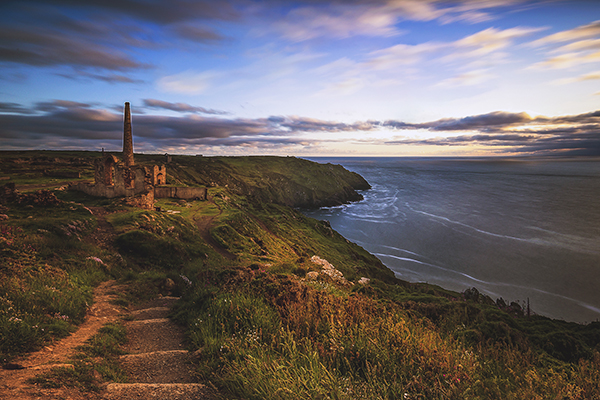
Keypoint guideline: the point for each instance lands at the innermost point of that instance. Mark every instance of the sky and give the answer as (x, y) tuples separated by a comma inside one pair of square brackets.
[(303, 78)]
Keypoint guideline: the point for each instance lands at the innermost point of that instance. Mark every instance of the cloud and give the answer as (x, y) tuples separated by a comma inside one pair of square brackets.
[(491, 40), (482, 122), (155, 11), (44, 47), (179, 107), (197, 33), (513, 133), (581, 32), (57, 120), (345, 19), (103, 35), (583, 48), (187, 82), (592, 76), (110, 78), (568, 60), (14, 108), (401, 54), (302, 124), (84, 125), (470, 78), (337, 20)]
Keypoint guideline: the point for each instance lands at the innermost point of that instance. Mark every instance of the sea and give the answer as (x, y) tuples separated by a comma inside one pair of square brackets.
[(521, 229)]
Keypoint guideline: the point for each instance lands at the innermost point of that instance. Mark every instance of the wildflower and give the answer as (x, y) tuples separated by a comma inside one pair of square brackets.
[(186, 280), (60, 316), (95, 259)]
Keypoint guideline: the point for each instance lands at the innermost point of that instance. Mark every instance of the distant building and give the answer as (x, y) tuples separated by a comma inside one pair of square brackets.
[(115, 178)]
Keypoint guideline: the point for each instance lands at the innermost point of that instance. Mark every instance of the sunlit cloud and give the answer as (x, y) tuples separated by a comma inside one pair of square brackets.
[(470, 78), (581, 32), (488, 41), (568, 60), (585, 77), (188, 82)]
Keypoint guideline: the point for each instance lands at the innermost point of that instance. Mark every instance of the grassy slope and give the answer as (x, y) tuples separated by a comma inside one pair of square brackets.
[(264, 331)]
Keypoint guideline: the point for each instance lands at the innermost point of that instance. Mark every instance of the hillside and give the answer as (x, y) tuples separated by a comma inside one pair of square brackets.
[(279, 305)]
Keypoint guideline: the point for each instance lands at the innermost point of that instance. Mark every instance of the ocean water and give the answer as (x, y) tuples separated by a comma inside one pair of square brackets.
[(516, 229)]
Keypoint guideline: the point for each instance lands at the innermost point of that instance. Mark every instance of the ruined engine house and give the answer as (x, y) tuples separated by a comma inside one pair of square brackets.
[(116, 178)]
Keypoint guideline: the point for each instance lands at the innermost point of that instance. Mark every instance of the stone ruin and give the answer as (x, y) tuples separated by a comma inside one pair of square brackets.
[(141, 184)]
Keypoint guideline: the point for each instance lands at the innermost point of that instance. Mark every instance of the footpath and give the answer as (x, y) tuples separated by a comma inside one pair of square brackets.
[(157, 364)]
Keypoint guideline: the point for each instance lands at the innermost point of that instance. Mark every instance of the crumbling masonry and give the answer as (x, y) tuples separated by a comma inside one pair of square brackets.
[(114, 178)]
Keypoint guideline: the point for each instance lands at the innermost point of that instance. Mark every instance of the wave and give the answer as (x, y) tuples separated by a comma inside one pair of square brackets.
[(495, 284), (431, 265), (498, 235)]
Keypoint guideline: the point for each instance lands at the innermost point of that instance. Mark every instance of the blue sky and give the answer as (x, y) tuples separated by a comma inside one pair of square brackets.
[(304, 78)]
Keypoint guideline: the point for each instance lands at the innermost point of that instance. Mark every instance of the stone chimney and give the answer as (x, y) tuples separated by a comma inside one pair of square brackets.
[(127, 138)]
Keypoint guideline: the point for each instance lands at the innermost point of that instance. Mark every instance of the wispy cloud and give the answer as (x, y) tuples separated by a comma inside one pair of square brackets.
[(583, 49), (42, 47), (179, 107), (581, 32), (187, 82), (378, 17)]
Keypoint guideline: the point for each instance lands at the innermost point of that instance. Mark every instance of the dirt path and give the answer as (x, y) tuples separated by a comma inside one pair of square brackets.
[(104, 234), (13, 383)]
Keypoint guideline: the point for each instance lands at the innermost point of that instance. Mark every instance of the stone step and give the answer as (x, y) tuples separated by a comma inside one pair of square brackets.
[(173, 366), (152, 335), (164, 391), (165, 301), (151, 313)]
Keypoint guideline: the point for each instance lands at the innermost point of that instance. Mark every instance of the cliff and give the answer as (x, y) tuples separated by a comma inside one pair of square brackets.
[(289, 181)]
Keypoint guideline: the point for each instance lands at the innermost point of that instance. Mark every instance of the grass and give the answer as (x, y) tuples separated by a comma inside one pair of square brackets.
[(96, 361)]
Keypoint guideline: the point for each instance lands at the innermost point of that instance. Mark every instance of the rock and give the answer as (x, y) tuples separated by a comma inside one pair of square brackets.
[(312, 276), (328, 269), (42, 198), (169, 284), (8, 193)]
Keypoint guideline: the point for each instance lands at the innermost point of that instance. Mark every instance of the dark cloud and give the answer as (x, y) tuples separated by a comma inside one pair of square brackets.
[(197, 34), (60, 104), (66, 124), (14, 108), (301, 124), (179, 107), (110, 78), (475, 122), (103, 34), (157, 11), (44, 47)]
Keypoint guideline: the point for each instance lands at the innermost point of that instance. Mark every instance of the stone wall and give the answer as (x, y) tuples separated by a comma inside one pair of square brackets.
[(185, 193)]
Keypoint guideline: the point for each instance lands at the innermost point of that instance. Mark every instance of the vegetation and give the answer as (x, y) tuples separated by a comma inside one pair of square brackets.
[(95, 361), (265, 317)]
